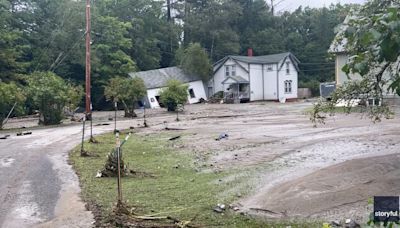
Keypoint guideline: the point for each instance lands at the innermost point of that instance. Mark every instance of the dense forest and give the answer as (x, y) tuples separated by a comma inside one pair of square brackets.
[(48, 35)]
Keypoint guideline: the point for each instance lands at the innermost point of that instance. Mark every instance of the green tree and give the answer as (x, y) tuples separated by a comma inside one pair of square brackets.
[(11, 96), (110, 56), (11, 47), (127, 91), (174, 94), (371, 37), (51, 95), (194, 60)]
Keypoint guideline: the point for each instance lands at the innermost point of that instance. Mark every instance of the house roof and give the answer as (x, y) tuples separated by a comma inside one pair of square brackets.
[(264, 59), (158, 78), (237, 79), (338, 45)]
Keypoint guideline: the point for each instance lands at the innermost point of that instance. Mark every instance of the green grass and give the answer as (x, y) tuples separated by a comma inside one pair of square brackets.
[(179, 192)]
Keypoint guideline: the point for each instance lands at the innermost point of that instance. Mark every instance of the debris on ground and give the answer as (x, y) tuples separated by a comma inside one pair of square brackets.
[(24, 133), (175, 138), (173, 129), (111, 166), (219, 208), (234, 207), (351, 224), (222, 136), (93, 140), (102, 124), (98, 175), (5, 137), (335, 223)]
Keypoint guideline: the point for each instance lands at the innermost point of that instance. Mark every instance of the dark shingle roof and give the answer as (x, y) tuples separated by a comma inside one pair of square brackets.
[(263, 59), (159, 78)]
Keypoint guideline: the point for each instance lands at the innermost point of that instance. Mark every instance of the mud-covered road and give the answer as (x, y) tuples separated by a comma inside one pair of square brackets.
[(291, 169), (38, 187)]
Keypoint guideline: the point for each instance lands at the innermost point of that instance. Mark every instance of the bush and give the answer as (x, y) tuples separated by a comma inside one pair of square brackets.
[(127, 91), (176, 93), (51, 95), (10, 95)]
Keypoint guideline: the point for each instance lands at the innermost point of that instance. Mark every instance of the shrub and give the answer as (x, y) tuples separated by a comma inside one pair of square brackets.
[(176, 93), (10, 95), (50, 94)]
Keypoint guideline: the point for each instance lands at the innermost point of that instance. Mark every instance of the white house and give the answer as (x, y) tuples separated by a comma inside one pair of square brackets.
[(156, 80), (254, 78)]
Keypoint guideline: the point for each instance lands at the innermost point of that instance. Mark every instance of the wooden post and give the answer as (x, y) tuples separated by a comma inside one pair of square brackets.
[(83, 137), (118, 148), (115, 117), (88, 66)]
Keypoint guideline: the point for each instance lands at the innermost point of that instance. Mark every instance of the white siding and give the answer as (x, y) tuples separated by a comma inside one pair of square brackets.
[(283, 76), (264, 84), (219, 76), (270, 83), (151, 94), (199, 92), (197, 86), (256, 82)]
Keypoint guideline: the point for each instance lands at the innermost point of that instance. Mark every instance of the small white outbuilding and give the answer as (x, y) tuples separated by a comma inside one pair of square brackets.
[(156, 80)]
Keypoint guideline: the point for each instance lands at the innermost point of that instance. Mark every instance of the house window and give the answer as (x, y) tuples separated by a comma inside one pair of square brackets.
[(230, 70), (270, 67), (287, 67), (288, 86), (227, 71), (191, 93)]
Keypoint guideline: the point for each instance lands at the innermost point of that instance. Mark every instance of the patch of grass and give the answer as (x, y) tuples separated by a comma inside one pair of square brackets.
[(174, 187)]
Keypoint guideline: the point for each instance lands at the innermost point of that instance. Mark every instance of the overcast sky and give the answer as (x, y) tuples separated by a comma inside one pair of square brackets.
[(294, 4)]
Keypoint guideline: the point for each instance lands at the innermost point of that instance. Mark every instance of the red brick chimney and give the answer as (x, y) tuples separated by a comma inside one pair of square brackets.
[(250, 52)]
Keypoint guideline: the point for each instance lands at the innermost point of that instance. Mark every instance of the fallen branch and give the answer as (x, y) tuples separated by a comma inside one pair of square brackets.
[(174, 138), (174, 129)]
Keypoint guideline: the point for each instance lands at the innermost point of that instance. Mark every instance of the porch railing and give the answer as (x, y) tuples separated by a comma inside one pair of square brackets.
[(235, 97)]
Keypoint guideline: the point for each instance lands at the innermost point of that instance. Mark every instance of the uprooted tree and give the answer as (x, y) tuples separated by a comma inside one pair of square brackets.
[(11, 100), (127, 91), (370, 35), (51, 95), (174, 94)]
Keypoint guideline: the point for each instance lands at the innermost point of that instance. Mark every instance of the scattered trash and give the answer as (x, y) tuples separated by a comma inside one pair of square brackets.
[(335, 223), (219, 208), (222, 136), (5, 137), (233, 207), (174, 138), (98, 175), (351, 224)]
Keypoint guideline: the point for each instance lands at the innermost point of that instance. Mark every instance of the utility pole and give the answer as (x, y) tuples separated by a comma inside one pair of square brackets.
[(272, 7), (88, 67), (169, 10)]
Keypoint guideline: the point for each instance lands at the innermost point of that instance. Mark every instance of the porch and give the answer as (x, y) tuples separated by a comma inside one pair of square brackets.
[(236, 90)]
